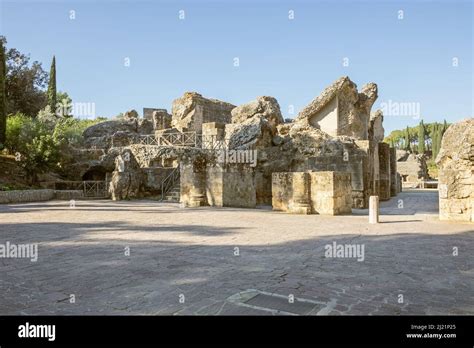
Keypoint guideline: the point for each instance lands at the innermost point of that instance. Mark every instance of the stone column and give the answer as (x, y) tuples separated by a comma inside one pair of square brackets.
[(197, 192), (301, 203), (374, 210), (193, 184), (384, 168), (393, 172)]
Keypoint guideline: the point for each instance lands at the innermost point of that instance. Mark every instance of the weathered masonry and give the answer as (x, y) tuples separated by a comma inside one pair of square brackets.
[(456, 172), (330, 159)]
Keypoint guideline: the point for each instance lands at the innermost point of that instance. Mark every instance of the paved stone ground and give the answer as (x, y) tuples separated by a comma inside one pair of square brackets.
[(189, 254)]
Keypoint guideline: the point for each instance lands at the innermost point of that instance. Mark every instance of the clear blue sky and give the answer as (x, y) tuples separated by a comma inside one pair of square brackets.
[(292, 60)]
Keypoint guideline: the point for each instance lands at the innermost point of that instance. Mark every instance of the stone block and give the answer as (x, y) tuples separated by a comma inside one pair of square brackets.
[(193, 185), (239, 186), (331, 193), (300, 201), (282, 190), (192, 110), (325, 193), (230, 185)]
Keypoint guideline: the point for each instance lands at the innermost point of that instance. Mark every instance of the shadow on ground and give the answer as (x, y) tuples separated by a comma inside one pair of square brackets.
[(105, 280)]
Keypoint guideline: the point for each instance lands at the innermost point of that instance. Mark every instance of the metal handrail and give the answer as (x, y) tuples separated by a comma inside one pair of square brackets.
[(90, 188), (178, 139), (211, 142), (185, 139)]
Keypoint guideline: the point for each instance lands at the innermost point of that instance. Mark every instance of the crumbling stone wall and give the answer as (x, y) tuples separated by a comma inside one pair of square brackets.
[(192, 110), (456, 172), (341, 110), (333, 133), (161, 119), (411, 167)]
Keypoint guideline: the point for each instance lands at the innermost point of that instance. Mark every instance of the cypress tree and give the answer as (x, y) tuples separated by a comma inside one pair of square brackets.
[(407, 139), (3, 96), (436, 139), (421, 138), (52, 86), (445, 126), (441, 130)]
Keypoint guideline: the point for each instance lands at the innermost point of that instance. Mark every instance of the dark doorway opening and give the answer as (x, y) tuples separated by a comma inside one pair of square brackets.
[(94, 173)]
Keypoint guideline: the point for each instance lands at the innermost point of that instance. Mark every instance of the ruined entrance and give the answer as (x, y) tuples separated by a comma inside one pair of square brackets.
[(95, 173)]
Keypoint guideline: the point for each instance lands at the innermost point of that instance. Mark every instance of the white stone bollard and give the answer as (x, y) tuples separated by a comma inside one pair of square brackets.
[(374, 210)]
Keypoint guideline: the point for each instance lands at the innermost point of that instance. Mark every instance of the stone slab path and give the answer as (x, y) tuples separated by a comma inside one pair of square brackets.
[(144, 257)]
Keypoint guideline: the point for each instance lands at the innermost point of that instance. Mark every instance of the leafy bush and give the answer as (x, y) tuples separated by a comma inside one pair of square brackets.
[(42, 145), (20, 130)]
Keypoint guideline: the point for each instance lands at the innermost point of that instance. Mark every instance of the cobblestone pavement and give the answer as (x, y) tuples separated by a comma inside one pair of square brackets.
[(234, 261)]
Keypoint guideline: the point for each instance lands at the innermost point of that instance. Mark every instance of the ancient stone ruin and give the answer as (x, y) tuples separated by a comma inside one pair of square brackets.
[(456, 172), (330, 159), (412, 168)]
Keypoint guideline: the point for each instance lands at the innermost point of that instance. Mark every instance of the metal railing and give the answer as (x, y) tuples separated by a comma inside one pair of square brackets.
[(148, 139), (212, 142), (90, 188), (169, 182), (190, 139), (97, 189), (184, 139)]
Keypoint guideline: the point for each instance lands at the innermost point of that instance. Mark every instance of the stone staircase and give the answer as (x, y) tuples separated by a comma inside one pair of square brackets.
[(173, 195)]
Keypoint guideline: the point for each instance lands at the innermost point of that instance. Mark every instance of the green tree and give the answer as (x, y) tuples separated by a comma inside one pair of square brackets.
[(407, 139), (437, 135), (24, 83), (64, 106), (35, 144), (3, 99), (421, 138), (445, 126), (432, 139), (52, 93), (19, 132)]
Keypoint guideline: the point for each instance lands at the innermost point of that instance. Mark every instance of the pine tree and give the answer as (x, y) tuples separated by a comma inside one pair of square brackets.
[(52, 87), (3, 96), (421, 138)]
